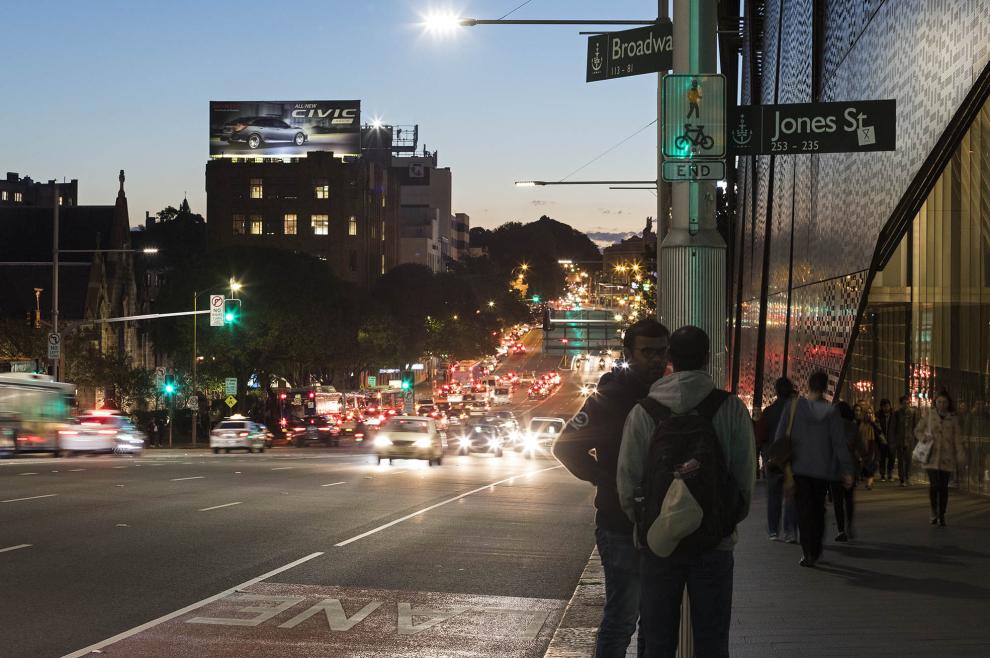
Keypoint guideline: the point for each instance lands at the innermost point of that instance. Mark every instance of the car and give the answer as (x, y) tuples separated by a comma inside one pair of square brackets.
[(101, 430), (518, 348), (501, 395), (410, 437), (540, 435), (315, 429), (257, 131), (481, 435), (237, 434), (589, 388)]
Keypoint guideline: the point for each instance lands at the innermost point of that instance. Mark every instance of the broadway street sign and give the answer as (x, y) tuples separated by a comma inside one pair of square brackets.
[(647, 49), (847, 127)]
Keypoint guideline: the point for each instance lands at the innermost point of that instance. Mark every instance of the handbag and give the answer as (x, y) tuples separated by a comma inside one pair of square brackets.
[(780, 452), (923, 452)]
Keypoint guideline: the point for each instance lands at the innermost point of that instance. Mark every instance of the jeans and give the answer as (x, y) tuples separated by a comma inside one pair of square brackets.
[(842, 505), (809, 494), (708, 578), (886, 460), (938, 491), (903, 454), (620, 559), (776, 502)]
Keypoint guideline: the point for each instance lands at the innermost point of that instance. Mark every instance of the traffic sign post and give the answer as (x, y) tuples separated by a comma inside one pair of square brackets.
[(641, 50), (54, 346), (693, 116), (845, 127), (216, 310), (692, 170)]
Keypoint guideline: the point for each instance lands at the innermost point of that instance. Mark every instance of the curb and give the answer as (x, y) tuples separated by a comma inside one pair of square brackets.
[(578, 629)]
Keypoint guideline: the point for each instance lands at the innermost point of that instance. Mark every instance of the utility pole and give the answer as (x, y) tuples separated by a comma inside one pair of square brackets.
[(663, 12), (195, 411), (692, 256), (55, 368)]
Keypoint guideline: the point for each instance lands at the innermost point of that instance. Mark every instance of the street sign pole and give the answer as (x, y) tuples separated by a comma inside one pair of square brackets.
[(663, 13)]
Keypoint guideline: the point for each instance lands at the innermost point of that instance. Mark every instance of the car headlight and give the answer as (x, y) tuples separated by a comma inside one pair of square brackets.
[(422, 443), (382, 441), (531, 441), (464, 441)]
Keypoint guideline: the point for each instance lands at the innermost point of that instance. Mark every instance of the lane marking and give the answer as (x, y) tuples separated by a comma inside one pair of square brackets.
[(440, 504), (15, 500), (332, 484), (207, 509), (14, 548), (76, 470), (194, 477), (121, 467), (31, 473), (282, 468), (189, 608)]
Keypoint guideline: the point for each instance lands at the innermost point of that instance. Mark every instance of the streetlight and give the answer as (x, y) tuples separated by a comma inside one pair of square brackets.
[(491, 304), (234, 286)]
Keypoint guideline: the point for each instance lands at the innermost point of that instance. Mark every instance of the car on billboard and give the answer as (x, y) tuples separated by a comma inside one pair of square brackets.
[(258, 131)]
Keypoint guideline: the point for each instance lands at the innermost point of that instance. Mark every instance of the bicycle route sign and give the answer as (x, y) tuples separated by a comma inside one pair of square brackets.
[(641, 50), (693, 116), (843, 127)]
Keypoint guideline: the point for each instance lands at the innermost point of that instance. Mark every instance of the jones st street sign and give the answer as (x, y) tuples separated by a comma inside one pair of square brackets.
[(647, 49), (846, 127)]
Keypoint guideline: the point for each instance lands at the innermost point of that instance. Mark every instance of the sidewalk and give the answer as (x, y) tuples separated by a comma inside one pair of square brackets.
[(902, 588)]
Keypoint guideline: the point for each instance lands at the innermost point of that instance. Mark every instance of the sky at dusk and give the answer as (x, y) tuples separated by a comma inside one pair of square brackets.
[(93, 87)]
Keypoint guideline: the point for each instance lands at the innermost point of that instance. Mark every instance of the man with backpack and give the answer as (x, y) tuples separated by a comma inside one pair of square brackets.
[(817, 444), (598, 427), (686, 471)]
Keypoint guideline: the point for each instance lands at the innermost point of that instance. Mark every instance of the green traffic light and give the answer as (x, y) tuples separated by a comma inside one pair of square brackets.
[(406, 385), (229, 317), (169, 389), (536, 298)]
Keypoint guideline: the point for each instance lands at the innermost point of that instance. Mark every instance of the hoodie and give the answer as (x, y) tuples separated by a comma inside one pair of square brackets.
[(598, 426), (681, 392), (818, 440)]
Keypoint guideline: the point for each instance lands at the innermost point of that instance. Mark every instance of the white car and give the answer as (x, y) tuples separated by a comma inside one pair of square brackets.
[(237, 434), (410, 437), (101, 430), (501, 395)]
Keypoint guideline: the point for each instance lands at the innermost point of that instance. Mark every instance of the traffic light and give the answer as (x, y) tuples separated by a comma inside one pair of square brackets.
[(536, 299), (169, 387), (231, 311), (407, 381)]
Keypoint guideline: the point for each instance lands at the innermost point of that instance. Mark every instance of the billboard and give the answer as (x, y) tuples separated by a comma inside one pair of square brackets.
[(284, 128)]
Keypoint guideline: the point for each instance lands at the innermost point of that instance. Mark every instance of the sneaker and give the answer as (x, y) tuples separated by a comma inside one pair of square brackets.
[(903, 484), (807, 562), (772, 536), (842, 537), (790, 539), (883, 479), (941, 521), (933, 520)]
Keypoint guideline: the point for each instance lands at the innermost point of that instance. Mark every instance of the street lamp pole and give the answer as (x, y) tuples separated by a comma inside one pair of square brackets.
[(55, 365)]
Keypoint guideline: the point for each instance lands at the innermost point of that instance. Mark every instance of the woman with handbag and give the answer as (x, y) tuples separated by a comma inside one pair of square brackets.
[(939, 451), (842, 497)]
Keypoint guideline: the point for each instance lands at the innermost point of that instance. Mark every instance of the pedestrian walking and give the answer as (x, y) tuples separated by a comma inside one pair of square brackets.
[(598, 427), (885, 458), (868, 436), (842, 496), (939, 450), (901, 438), (766, 430), (818, 450), (686, 524)]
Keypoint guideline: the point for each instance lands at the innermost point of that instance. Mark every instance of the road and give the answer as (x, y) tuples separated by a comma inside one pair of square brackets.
[(295, 552)]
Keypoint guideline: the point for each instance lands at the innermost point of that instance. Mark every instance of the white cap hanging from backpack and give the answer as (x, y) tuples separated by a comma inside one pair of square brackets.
[(680, 515)]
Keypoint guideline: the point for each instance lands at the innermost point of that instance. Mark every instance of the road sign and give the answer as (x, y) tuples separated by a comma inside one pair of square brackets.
[(231, 401), (230, 385), (647, 49), (689, 170), (216, 310), (54, 346), (193, 403), (372, 381), (846, 127), (407, 407), (693, 116)]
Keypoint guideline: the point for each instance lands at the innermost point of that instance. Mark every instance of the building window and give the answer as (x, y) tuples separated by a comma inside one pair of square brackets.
[(3, 195), (322, 189), (321, 224), (289, 225), (240, 227), (257, 189), (352, 225), (18, 197), (383, 263), (257, 225)]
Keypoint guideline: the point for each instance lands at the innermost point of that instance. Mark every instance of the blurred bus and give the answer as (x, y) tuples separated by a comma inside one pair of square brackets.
[(33, 408)]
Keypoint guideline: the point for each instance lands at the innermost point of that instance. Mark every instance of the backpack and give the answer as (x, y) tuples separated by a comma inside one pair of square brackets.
[(689, 440)]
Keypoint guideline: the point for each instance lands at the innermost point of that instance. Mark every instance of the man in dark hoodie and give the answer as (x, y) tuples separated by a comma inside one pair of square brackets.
[(819, 454), (598, 427)]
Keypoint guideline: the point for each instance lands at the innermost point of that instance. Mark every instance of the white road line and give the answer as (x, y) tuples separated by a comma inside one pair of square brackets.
[(15, 500), (121, 467), (14, 548), (194, 477), (282, 468), (207, 509), (31, 473), (332, 484), (189, 608), (76, 470), (440, 504)]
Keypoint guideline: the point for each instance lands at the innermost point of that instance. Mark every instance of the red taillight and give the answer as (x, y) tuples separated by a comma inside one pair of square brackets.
[(359, 435), (242, 434)]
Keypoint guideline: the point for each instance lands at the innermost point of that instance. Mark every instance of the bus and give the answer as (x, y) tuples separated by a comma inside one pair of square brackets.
[(466, 372), (33, 408)]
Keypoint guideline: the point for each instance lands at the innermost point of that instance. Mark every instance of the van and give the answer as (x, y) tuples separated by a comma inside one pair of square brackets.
[(501, 396)]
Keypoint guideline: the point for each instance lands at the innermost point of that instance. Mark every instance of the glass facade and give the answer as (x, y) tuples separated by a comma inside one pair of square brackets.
[(926, 326)]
